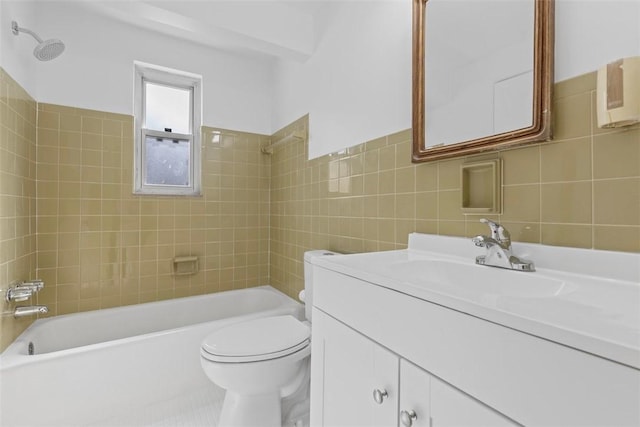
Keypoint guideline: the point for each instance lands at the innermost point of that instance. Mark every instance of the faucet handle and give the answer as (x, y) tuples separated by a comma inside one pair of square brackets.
[(35, 285), (498, 232), (18, 294)]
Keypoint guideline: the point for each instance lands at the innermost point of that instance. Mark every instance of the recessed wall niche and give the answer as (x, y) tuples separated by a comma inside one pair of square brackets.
[(481, 187)]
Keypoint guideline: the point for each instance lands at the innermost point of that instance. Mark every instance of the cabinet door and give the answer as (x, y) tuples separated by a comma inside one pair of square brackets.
[(346, 369), (452, 408), (415, 395), (434, 403)]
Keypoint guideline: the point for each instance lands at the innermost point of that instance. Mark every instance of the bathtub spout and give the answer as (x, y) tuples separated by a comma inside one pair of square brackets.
[(30, 310)]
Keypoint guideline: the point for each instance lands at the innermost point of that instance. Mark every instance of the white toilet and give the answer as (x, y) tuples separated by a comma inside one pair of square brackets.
[(259, 362)]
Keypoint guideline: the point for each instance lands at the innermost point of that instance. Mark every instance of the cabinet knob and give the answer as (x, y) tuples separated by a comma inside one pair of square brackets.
[(379, 395), (408, 417)]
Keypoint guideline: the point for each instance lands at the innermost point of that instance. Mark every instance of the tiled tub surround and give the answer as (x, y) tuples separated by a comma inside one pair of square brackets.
[(100, 246), (17, 197), (582, 190)]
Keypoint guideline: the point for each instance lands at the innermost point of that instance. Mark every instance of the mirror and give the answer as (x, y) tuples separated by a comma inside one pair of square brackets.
[(482, 75)]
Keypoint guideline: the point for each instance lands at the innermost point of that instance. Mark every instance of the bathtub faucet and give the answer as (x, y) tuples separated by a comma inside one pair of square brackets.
[(30, 310), (499, 249)]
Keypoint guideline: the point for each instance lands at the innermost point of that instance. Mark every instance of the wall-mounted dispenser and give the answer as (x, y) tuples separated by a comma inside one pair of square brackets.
[(618, 93)]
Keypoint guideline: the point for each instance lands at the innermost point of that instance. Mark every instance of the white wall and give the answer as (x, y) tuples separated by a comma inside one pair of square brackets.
[(12, 53), (592, 33), (96, 69), (357, 85)]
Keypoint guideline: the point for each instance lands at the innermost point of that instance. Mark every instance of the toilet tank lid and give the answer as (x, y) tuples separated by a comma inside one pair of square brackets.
[(308, 255), (260, 336)]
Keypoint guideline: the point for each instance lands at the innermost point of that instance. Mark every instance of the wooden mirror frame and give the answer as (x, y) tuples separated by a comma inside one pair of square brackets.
[(540, 130)]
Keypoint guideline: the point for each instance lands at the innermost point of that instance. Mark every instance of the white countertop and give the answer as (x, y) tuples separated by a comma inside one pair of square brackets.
[(585, 299)]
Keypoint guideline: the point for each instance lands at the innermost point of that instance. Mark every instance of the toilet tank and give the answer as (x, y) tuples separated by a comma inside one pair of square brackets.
[(308, 278)]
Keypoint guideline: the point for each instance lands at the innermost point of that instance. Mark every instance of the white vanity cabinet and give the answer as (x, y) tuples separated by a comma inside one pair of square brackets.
[(364, 384), (438, 404), (350, 367), (451, 368)]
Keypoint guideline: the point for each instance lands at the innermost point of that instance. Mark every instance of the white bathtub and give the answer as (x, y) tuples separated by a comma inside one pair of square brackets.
[(90, 364)]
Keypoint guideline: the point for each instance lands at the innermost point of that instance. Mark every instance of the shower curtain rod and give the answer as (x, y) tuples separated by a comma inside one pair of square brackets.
[(296, 135)]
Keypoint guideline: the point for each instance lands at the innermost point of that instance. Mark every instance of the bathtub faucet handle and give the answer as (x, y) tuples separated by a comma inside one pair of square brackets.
[(18, 294), (35, 285), (24, 290)]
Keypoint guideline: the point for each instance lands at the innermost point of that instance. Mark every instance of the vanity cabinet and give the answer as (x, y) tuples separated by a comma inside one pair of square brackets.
[(352, 367), (364, 384), (450, 367), (438, 404)]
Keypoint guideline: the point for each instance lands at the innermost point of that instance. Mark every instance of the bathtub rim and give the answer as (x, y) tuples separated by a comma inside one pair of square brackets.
[(14, 355)]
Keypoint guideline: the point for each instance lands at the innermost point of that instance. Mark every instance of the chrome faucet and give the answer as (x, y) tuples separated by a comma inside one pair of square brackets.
[(31, 310), (499, 249)]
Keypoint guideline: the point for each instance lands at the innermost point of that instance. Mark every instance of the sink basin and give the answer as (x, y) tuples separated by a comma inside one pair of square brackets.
[(473, 281)]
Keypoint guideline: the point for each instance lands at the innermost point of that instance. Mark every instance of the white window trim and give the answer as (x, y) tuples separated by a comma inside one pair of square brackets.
[(161, 75)]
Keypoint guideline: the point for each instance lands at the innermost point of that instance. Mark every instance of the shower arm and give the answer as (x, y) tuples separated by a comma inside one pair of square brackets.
[(15, 30)]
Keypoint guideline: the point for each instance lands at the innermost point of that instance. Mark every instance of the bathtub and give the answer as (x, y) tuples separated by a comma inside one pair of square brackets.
[(86, 365)]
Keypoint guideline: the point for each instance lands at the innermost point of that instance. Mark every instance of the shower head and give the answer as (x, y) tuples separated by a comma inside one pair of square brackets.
[(45, 50), (48, 49)]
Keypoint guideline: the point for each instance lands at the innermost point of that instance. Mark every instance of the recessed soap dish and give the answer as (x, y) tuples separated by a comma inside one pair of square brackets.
[(481, 187), (185, 265)]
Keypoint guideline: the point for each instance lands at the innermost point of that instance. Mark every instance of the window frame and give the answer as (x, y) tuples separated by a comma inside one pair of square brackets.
[(148, 73)]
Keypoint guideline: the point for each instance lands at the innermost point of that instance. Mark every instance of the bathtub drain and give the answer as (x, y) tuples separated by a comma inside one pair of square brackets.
[(31, 350)]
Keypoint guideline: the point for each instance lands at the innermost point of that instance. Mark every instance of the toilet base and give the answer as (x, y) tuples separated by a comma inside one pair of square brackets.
[(258, 410)]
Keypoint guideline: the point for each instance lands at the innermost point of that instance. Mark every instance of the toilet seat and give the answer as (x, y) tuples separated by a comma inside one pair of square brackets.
[(256, 340)]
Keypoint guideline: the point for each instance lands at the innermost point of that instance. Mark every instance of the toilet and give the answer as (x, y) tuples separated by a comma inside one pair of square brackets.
[(261, 361)]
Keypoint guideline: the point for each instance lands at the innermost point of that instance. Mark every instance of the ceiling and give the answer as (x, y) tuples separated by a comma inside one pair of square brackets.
[(286, 29)]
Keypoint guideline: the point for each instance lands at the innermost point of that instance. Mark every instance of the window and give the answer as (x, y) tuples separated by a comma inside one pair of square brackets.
[(167, 140)]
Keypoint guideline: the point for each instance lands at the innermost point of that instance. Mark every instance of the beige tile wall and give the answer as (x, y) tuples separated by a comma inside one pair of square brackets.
[(582, 189), (17, 198), (100, 246)]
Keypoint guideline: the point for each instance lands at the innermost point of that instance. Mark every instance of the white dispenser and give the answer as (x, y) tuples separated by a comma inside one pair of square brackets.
[(618, 93)]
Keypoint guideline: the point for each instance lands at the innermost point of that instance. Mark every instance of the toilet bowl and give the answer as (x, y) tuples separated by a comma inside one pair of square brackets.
[(259, 362)]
